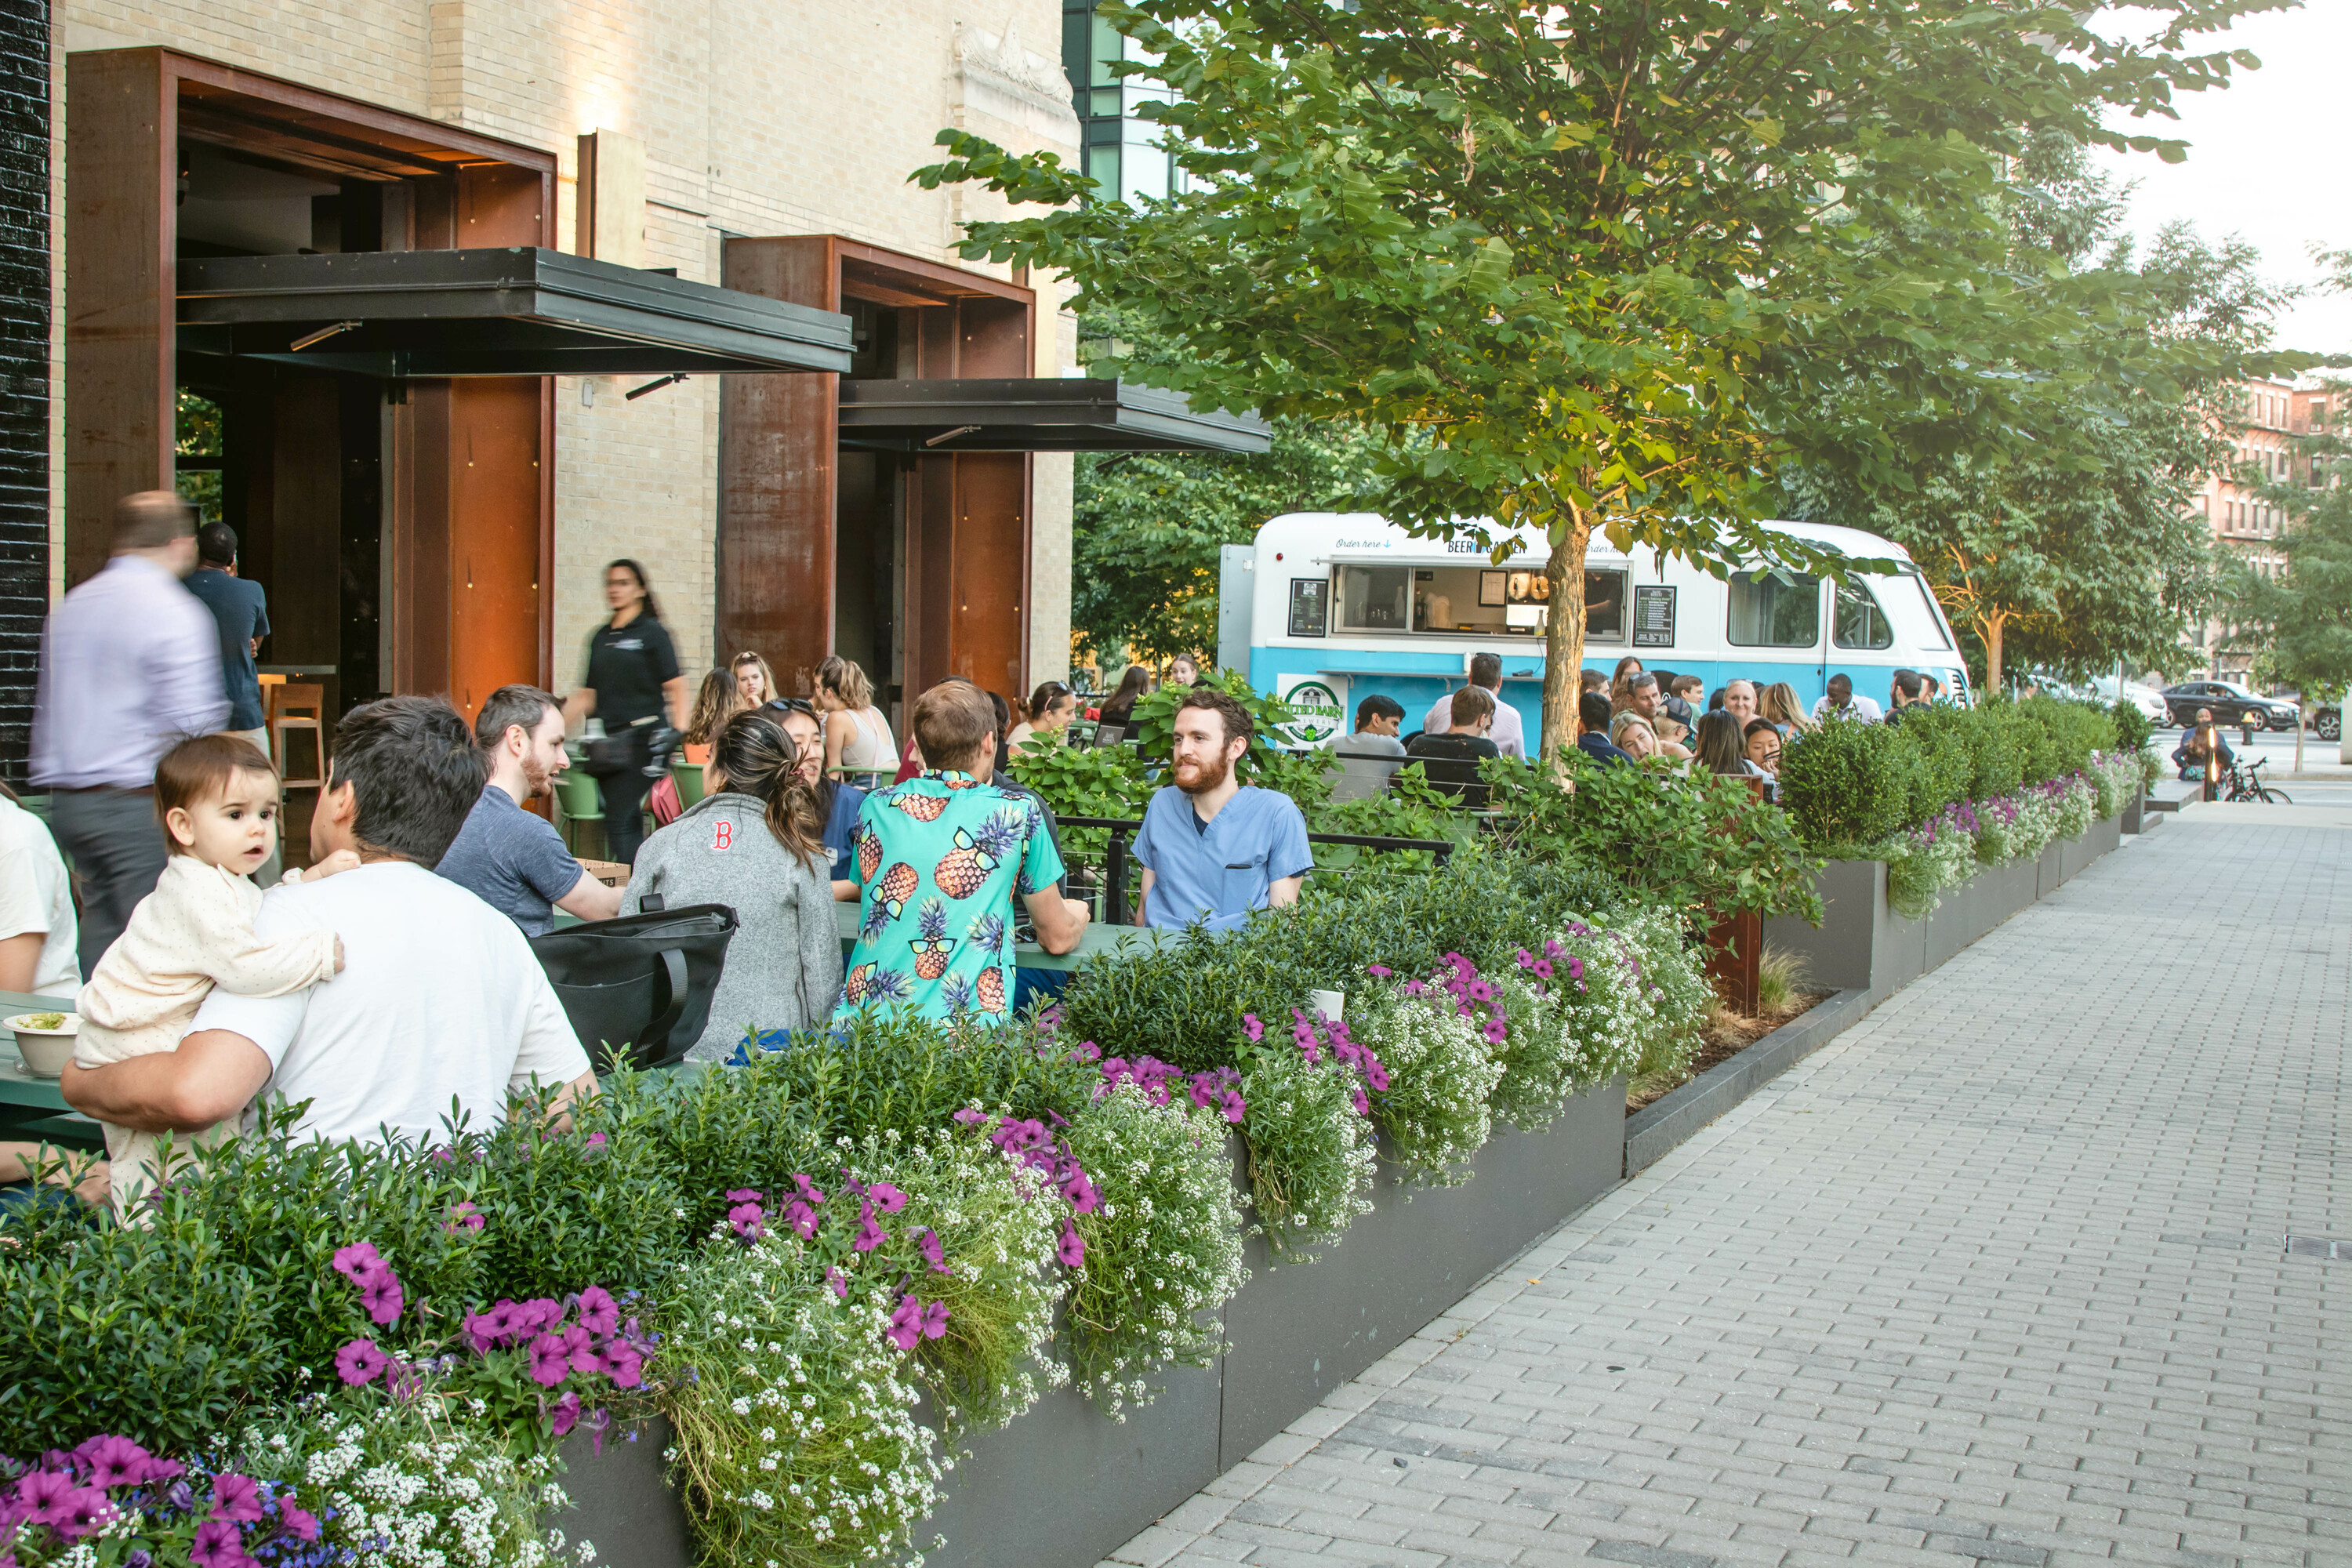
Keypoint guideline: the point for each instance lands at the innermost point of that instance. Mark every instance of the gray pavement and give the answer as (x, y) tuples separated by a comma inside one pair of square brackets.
[(1998, 1277)]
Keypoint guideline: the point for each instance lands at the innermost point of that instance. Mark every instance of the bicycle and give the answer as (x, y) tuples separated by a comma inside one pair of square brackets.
[(2245, 782)]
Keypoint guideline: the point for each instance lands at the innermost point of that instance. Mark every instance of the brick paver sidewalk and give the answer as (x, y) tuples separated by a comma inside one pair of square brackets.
[(1998, 1276)]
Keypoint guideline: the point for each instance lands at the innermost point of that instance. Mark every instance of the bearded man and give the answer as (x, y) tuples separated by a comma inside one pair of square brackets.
[(510, 859), (1213, 848)]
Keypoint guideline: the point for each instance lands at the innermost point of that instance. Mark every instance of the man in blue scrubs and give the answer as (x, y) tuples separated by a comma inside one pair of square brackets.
[(1214, 849)]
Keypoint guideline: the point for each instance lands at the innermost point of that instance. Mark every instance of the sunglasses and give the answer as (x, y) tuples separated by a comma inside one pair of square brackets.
[(795, 705)]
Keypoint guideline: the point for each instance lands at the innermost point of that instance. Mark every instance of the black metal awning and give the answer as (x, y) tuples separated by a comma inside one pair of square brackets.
[(980, 414), (515, 310)]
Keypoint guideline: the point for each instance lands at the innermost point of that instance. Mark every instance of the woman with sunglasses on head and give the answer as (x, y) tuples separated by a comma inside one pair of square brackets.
[(856, 736), (1051, 708), (753, 678)]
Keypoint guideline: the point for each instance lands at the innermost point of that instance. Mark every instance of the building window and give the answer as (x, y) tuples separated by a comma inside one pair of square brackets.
[(1776, 608)]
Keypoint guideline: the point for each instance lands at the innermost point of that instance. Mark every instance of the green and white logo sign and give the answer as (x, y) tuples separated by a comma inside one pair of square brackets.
[(1318, 706)]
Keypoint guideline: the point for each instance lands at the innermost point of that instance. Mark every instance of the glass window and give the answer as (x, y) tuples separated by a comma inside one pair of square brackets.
[(1861, 622), (1912, 607), (1376, 598), (1604, 607), (1777, 608)]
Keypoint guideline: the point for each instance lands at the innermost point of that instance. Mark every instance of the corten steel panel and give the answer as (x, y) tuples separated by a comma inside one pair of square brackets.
[(930, 575), (992, 338), (120, 197), (121, 167), (494, 560), (776, 481), (418, 594), (988, 637)]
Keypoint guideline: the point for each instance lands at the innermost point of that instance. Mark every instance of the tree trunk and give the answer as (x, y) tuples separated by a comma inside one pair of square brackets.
[(1564, 641), (1989, 625)]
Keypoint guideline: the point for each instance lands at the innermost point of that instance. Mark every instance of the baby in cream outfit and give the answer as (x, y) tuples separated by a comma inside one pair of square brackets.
[(218, 798)]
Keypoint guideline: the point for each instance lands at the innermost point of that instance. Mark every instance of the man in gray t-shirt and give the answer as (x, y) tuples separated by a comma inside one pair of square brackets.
[(512, 860)]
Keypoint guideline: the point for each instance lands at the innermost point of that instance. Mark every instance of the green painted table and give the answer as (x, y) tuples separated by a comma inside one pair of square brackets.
[(31, 1109)]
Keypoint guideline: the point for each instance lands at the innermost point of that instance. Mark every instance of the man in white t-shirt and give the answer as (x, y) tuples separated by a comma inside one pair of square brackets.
[(37, 932), (1509, 734), (441, 1009)]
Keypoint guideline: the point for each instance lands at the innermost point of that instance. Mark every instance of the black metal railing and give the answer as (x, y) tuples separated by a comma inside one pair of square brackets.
[(1115, 911)]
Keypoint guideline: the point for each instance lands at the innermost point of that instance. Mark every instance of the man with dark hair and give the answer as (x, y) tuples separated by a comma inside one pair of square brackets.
[(440, 999), (1486, 675), (129, 666), (1379, 718), (1593, 730), (511, 859), (1843, 702), (1212, 848), (937, 862), (1907, 690), (1363, 763), (241, 614)]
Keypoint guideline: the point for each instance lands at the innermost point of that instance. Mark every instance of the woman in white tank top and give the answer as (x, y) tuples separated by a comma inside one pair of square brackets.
[(856, 736)]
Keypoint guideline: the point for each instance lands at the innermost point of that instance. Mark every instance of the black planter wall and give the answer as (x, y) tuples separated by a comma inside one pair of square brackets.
[(23, 367)]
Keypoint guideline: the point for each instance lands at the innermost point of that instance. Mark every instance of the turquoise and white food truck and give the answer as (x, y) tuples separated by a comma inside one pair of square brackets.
[(1328, 609)]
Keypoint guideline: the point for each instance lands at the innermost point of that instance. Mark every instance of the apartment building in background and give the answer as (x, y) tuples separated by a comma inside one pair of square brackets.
[(442, 307), (2271, 414)]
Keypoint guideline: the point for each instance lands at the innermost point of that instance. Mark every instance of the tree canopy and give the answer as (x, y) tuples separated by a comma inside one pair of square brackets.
[(2082, 548), (2303, 616), (1614, 266)]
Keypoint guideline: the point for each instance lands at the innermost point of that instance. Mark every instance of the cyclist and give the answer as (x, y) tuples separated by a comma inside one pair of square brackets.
[(2203, 754)]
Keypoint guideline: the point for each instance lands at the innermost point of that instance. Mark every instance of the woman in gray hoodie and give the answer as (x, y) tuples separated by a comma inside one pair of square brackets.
[(754, 843)]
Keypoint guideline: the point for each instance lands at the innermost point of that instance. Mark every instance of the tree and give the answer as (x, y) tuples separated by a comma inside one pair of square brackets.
[(2080, 549), (1610, 261), (1146, 528)]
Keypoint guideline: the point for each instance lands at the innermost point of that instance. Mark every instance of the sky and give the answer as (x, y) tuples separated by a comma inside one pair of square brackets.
[(2265, 159)]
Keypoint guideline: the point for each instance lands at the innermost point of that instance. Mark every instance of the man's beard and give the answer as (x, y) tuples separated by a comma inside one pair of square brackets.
[(537, 781), (1200, 778)]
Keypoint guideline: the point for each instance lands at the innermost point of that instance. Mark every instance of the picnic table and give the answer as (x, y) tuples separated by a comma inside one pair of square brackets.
[(32, 1109)]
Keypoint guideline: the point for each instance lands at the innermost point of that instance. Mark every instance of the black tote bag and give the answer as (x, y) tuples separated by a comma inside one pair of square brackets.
[(640, 984)]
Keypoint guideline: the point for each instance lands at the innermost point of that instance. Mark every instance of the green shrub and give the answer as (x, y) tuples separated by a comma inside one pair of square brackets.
[(157, 1335), (1841, 783), (1692, 842)]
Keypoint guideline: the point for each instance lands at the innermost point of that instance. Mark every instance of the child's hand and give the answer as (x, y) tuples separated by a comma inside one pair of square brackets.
[(340, 860), (338, 951)]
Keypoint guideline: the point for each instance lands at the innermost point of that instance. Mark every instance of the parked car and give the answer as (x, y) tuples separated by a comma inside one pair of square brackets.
[(2233, 706), (2147, 698), (2327, 722)]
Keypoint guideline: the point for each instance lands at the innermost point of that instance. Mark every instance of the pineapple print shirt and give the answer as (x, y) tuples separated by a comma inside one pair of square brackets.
[(938, 860)]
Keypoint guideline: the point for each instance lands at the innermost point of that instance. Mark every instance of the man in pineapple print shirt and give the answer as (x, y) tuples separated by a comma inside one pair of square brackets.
[(938, 861), (1214, 849)]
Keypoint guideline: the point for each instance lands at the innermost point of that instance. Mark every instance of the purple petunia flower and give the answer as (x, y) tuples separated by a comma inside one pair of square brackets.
[(1072, 1248), (905, 1324), (625, 1363), (358, 1261), (1378, 970), (935, 1321), (380, 1294), (48, 1497), (933, 1252), (236, 1497), (551, 1361), (1086, 1051), (359, 1362), (114, 1461), (886, 1198), (870, 1234), (218, 1544), (802, 1219), (840, 1286), (298, 1521), (746, 1220), (564, 1415), (1253, 1028), (599, 1313)]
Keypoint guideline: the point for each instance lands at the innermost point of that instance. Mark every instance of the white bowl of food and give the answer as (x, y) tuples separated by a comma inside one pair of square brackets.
[(45, 1040)]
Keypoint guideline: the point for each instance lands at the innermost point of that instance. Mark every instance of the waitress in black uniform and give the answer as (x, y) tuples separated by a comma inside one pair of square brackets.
[(633, 684)]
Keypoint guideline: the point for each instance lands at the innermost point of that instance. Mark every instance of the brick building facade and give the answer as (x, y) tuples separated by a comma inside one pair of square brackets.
[(694, 130), (2271, 414)]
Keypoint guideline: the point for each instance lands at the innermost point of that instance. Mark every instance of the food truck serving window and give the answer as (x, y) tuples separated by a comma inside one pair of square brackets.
[(1479, 600), (1774, 609)]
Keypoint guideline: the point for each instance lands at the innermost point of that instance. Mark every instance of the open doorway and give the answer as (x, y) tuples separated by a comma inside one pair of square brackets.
[(292, 460)]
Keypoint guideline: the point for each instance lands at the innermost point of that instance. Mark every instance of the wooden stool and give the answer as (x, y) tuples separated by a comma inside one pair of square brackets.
[(295, 707)]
